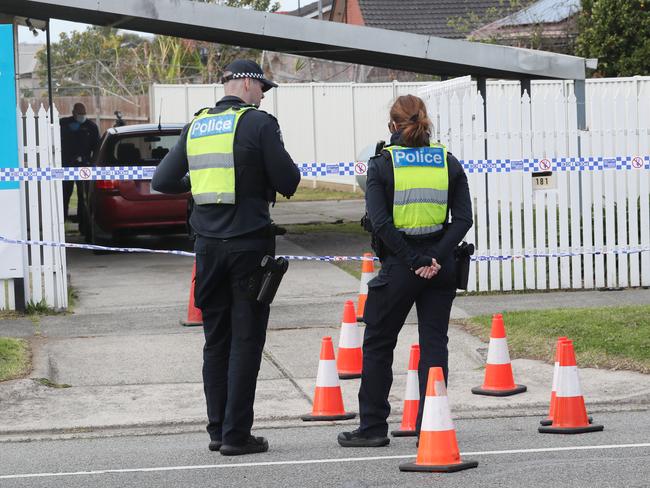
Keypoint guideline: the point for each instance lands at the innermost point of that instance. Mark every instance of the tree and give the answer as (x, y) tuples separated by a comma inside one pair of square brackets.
[(617, 32), (107, 61), (84, 61)]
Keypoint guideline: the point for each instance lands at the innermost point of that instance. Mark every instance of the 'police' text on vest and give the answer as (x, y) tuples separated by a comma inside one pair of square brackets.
[(210, 126), (420, 156)]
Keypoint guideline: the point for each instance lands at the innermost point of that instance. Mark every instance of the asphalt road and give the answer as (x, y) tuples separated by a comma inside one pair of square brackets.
[(309, 457)]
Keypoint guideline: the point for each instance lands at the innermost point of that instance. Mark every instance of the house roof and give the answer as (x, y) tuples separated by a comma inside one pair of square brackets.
[(429, 17), (542, 12)]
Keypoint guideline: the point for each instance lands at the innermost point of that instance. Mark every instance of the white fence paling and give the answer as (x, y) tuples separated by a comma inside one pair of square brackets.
[(601, 210), (45, 267)]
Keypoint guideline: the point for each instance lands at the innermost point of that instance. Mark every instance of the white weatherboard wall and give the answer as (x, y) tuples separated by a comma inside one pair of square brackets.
[(600, 210)]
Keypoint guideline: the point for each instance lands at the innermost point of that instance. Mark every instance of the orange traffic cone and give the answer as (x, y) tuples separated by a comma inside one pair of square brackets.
[(194, 315), (437, 448), (556, 370), (350, 356), (328, 400), (367, 273), (411, 398), (570, 414), (498, 370)]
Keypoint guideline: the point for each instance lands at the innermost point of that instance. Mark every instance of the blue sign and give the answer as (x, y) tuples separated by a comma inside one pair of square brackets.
[(516, 165), (9, 132), (609, 163), (212, 126), (420, 156)]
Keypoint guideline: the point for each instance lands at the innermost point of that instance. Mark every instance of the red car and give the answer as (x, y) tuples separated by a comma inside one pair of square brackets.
[(116, 207)]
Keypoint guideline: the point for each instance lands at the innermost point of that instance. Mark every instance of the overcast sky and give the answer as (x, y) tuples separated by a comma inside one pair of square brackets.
[(59, 26)]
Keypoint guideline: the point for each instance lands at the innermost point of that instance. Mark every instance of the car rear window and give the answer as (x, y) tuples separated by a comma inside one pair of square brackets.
[(141, 150)]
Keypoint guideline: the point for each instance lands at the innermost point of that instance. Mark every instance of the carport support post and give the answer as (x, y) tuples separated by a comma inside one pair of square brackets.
[(482, 88), (581, 107), (11, 255)]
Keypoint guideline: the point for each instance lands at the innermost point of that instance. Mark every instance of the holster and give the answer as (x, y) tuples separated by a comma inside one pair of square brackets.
[(462, 255), (375, 242), (272, 272)]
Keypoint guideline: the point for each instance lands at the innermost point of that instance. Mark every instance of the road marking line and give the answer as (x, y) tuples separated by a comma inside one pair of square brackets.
[(310, 461)]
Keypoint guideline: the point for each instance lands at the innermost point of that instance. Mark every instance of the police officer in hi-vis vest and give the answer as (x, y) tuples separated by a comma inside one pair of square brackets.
[(419, 208), (236, 162)]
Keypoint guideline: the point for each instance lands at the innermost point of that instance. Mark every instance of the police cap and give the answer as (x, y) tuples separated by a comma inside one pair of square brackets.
[(245, 68)]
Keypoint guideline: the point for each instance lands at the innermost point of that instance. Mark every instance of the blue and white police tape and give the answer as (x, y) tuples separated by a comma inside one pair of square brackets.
[(532, 255), (472, 166)]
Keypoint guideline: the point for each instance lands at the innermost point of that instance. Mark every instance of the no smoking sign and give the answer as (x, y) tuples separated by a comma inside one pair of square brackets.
[(84, 173), (360, 168), (637, 162)]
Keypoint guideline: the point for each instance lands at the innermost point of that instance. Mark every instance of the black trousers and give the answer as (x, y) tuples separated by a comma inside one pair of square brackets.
[(391, 296), (228, 276), (68, 187)]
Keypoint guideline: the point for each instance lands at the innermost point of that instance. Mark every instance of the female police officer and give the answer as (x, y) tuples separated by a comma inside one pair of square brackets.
[(412, 188)]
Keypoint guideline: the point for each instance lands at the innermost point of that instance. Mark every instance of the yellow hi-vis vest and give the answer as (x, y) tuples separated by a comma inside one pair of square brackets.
[(421, 188), (210, 157)]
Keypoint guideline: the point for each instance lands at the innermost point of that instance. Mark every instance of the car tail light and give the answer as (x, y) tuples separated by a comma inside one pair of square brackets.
[(106, 184)]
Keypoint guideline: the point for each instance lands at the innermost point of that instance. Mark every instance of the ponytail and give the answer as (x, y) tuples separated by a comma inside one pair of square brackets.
[(410, 117)]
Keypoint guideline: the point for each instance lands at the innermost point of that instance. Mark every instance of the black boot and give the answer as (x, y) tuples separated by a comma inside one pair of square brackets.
[(214, 445), (252, 446), (357, 439)]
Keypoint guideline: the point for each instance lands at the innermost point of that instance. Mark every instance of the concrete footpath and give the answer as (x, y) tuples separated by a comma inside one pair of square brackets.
[(132, 367)]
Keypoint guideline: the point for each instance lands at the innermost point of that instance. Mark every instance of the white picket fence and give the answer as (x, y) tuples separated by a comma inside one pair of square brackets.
[(44, 266), (605, 211), (594, 215)]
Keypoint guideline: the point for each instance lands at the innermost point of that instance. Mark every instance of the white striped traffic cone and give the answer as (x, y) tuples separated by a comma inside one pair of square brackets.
[(349, 361), (556, 370), (570, 415), (499, 380), (411, 398), (367, 273), (328, 399), (437, 448)]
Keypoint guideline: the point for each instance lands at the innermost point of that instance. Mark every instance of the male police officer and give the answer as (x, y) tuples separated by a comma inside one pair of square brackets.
[(79, 139), (237, 162)]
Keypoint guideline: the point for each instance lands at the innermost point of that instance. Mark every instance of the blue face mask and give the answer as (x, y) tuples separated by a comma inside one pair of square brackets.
[(80, 118)]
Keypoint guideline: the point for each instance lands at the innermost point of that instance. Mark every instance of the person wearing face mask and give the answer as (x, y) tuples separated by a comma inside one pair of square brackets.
[(413, 187), (79, 140), (232, 158)]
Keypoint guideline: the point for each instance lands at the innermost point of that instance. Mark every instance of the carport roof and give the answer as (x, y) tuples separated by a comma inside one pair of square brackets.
[(320, 39)]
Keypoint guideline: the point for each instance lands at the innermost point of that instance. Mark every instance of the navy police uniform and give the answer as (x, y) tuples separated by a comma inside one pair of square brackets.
[(393, 292), (231, 241)]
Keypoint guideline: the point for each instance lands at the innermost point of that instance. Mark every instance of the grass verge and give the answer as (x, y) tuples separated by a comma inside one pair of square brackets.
[(14, 358), (304, 194), (609, 337)]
